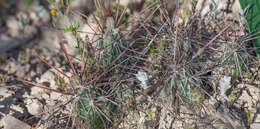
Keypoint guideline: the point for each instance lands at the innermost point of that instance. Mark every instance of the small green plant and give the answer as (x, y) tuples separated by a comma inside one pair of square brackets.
[(60, 82), (73, 28), (149, 114), (232, 96)]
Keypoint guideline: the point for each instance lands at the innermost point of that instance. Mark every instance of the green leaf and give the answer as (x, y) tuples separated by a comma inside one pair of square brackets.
[(67, 29), (149, 114), (67, 6), (232, 96), (152, 49), (78, 39), (72, 28), (251, 10), (249, 116), (60, 81), (76, 25), (125, 16)]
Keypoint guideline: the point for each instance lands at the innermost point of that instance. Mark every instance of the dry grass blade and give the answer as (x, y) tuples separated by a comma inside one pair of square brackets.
[(117, 10), (201, 50), (44, 61), (65, 52), (83, 17), (154, 37), (83, 62), (118, 20), (100, 7), (100, 27), (136, 52), (148, 8), (175, 44)]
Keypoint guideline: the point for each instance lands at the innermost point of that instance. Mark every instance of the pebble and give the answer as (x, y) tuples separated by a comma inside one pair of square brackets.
[(36, 91), (4, 93), (13, 26), (17, 108), (55, 96), (34, 106)]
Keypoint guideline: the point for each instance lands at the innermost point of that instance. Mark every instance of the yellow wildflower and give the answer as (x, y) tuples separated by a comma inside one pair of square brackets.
[(53, 12)]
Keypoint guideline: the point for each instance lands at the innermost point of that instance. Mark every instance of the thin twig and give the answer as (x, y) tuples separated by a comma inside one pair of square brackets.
[(42, 86), (44, 61), (65, 52)]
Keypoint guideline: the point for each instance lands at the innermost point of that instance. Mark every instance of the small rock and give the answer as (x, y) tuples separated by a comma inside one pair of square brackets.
[(34, 107), (124, 2), (50, 103), (211, 6), (29, 31), (23, 19), (4, 92), (50, 40), (13, 26), (17, 108), (34, 17), (39, 15), (49, 77), (43, 14), (36, 91), (55, 95), (45, 96), (26, 95), (12, 67), (20, 71), (33, 73), (10, 122)]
